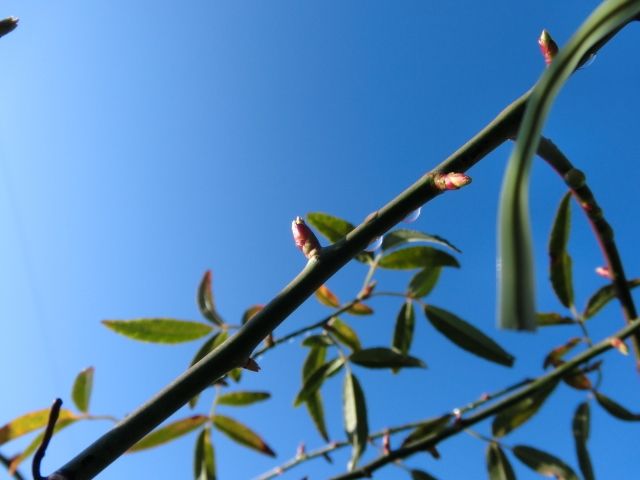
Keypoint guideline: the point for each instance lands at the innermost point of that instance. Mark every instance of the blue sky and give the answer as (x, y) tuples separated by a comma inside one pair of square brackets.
[(143, 143)]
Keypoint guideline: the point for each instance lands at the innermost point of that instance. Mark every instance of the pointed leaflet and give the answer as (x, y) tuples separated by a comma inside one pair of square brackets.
[(420, 475), (360, 308), (169, 432), (316, 378), (327, 297), (204, 465), (514, 416), (30, 422), (242, 434), (317, 341), (205, 300), (81, 391), (405, 324), (380, 357), (549, 319), (603, 296), (615, 409), (417, 257), (467, 336), (314, 405), (333, 228), (159, 330), (427, 428), (544, 463), (581, 420), (240, 399), (344, 333), (516, 301), (423, 282), (402, 236), (498, 464), (355, 417), (559, 260)]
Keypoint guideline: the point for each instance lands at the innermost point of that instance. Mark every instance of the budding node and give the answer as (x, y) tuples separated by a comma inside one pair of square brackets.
[(304, 238), (548, 47), (450, 181)]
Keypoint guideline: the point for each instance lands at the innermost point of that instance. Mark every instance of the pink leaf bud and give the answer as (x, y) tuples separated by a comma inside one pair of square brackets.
[(604, 272), (548, 47), (619, 345), (305, 239), (300, 452), (450, 181), (386, 443)]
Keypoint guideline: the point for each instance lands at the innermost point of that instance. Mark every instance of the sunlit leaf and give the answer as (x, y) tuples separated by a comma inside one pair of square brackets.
[(426, 429), (417, 257), (355, 417), (498, 464), (544, 463), (333, 228), (327, 297), (316, 378), (581, 421), (242, 434), (250, 312), (317, 341), (514, 416), (615, 409), (159, 330), (315, 408), (550, 319), (360, 308), (420, 475), (380, 357), (423, 282), (30, 422), (170, 432), (204, 465), (603, 296), (403, 332), (239, 399), (315, 359), (559, 260), (81, 391), (402, 236), (344, 333), (466, 336), (206, 302)]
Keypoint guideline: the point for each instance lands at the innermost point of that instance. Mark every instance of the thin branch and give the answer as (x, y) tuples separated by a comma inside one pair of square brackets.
[(365, 471), (48, 433), (7, 463)]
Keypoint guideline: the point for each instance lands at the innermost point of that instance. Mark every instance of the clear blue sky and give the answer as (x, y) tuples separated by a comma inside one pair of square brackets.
[(144, 142)]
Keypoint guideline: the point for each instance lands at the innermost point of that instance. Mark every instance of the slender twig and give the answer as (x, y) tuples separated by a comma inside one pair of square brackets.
[(365, 471), (7, 463), (46, 438)]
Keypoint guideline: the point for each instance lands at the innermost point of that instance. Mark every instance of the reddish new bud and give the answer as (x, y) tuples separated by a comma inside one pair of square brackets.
[(604, 272), (619, 345), (305, 239), (451, 181), (548, 47), (301, 452), (367, 290), (386, 443)]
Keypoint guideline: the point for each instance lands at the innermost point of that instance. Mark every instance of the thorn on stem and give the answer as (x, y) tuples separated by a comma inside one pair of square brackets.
[(251, 365)]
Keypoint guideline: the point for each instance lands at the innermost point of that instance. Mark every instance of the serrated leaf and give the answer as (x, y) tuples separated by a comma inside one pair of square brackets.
[(169, 432), (381, 357), (206, 302), (250, 312), (315, 408), (423, 282), (316, 378), (603, 296), (82, 387), (355, 417), (204, 465), (615, 409), (550, 319), (544, 463), (327, 297), (514, 416), (360, 308), (159, 330), (581, 421), (30, 422), (344, 334), (242, 434), (420, 475), (333, 228), (426, 429), (402, 236), (417, 257), (405, 325), (498, 464), (240, 399), (466, 336), (560, 271)]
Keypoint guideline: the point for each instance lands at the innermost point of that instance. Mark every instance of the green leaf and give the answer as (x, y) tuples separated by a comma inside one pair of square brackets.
[(581, 421), (250, 312), (206, 303), (402, 236), (159, 330), (466, 336), (327, 297), (360, 308), (615, 409), (427, 428), (30, 422), (498, 464), (423, 282), (403, 332), (81, 391), (603, 296), (242, 434), (380, 357), (315, 409), (544, 463), (421, 475), (333, 228), (550, 319), (317, 341), (239, 399), (514, 416), (417, 257), (204, 465), (355, 417), (169, 432), (344, 334), (559, 259), (316, 378), (315, 359)]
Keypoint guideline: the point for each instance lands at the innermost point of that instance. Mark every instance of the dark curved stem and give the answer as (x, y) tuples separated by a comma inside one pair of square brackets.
[(48, 433)]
